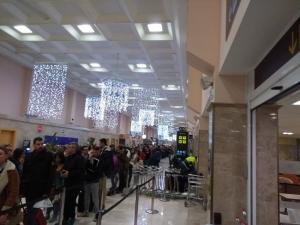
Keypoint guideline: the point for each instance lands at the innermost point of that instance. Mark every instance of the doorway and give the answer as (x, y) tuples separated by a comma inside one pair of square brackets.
[(8, 136), (276, 156)]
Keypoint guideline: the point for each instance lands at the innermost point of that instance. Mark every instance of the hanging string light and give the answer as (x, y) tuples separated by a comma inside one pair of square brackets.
[(110, 120), (92, 107), (146, 117), (165, 124), (145, 106), (163, 132), (136, 127), (105, 109), (114, 95), (46, 98)]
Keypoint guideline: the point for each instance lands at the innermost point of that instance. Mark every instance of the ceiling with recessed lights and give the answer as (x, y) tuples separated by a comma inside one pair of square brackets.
[(141, 42)]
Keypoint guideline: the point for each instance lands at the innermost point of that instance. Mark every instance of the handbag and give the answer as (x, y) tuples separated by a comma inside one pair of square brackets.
[(40, 218)]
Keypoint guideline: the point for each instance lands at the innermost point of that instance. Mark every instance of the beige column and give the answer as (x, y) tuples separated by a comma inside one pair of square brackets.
[(266, 166), (203, 152), (228, 135)]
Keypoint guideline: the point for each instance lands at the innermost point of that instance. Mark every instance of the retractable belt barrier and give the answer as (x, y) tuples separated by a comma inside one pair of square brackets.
[(136, 189)]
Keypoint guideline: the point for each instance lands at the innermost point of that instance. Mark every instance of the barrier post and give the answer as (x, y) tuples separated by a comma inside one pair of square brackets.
[(62, 206), (152, 210), (99, 220), (136, 211)]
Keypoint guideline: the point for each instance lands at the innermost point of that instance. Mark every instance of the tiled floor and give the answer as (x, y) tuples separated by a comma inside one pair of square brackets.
[(170, 213)]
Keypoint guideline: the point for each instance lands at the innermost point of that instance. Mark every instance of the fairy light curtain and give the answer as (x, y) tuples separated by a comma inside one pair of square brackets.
[(47, 93), (105, 109), (145, 106)]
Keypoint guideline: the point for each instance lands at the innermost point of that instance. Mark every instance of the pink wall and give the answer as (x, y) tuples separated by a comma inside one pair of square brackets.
[(15, 85), (14, 90), (125, 123)]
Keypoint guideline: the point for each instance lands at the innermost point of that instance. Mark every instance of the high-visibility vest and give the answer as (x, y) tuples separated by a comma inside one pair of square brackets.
[(191, 159)]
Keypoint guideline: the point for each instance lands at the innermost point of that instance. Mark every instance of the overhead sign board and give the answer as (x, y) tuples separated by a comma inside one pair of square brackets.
[(286, 48)]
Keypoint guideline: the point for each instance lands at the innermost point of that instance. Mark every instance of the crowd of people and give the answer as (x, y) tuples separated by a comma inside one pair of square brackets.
[(83, 171)]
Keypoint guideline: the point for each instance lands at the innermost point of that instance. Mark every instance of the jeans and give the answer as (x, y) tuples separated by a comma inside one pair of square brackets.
[(91, 189)]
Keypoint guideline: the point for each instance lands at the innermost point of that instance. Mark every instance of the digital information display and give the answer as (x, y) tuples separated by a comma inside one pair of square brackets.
[(182, 143)]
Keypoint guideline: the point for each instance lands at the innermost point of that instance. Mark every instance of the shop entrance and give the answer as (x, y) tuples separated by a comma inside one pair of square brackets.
[(276, 138)]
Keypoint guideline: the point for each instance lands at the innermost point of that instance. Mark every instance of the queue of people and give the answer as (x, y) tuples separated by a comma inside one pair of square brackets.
[(82, 171)]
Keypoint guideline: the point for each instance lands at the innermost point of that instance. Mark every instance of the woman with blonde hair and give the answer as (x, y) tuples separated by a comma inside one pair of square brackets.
[(9, 189)]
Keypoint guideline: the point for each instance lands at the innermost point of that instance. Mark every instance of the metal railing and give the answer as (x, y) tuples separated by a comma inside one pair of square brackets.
[(136, 189)]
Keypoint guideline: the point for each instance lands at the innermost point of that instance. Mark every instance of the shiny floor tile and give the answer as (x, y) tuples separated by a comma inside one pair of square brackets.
[(170, 213)]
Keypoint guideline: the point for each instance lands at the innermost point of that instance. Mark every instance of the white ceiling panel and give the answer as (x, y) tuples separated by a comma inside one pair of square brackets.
[(121, 45)]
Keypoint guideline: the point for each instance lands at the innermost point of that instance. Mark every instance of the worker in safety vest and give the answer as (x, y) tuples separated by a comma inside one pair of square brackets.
[(192, 159)]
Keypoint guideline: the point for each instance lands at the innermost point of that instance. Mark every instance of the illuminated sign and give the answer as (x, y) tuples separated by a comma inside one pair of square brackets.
[(182, 143)]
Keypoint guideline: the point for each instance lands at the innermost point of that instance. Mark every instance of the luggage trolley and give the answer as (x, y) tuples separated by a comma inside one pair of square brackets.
[(196, 190)]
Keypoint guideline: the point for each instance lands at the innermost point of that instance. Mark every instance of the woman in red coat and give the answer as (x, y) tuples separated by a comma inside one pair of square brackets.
[(9, 189)]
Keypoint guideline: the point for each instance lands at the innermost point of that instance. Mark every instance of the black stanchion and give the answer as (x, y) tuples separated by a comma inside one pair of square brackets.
[(100, 215), (136, 211)]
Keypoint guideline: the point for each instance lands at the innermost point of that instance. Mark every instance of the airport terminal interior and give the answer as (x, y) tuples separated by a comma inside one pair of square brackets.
[(149, 112)]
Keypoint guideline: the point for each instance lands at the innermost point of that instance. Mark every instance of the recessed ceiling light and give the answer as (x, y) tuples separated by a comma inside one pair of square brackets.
[(135, 85), (141, 65), (23, 29), (140, 68), (273, 114), (166, 111), (95, 65), (131, 98), (179, 116), (296, 103), (160, 99), (170, 87), (287, 133), (176, 106), (86, 28), (155, 27), (97, 85)]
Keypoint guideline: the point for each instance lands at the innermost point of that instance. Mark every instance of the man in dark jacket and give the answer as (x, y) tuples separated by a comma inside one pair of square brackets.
[(38, 173), (74, 178)]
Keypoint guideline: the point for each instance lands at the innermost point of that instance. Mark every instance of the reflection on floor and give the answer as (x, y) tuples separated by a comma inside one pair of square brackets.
[(170, 213)]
